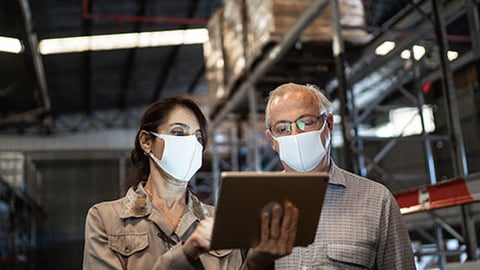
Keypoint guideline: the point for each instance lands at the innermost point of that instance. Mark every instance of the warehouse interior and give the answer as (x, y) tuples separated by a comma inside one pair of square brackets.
[(403, 75)]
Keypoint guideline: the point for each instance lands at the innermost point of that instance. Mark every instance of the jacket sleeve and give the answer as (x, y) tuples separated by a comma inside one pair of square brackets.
[(97, 254)]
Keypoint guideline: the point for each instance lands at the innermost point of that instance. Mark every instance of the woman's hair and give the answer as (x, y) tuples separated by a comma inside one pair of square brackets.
[(155, 115)]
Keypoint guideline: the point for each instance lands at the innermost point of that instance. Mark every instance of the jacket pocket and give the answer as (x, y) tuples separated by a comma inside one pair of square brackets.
[(127, 244), (351, 254)]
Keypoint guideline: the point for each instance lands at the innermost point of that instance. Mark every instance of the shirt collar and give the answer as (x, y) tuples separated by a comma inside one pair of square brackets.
[(336, 177)]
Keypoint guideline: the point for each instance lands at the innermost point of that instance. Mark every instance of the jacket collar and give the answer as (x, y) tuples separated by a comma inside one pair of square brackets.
[(137, 204)]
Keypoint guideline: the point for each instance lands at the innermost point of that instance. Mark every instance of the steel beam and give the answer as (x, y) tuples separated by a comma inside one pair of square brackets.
[(36, 57)]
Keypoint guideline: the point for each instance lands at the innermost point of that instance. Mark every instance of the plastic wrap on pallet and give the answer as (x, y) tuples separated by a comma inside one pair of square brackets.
[(233, 40), (259, 25), (213, 54), (269, 20), (265, 21)]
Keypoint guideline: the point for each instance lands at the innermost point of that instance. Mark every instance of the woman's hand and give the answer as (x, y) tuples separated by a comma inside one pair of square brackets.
[(277, 236), (199, 241)]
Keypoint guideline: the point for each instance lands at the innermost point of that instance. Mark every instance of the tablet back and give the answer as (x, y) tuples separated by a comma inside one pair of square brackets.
[(243, 195)]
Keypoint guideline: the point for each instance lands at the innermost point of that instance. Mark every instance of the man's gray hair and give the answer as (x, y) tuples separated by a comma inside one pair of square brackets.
[(324, 105)]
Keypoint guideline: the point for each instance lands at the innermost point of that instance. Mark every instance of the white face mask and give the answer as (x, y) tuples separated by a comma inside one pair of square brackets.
[(182, 156), (304, 151)]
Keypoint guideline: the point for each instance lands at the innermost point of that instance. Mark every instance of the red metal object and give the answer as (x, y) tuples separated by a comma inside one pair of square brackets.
[(447, 193), (131, 18)]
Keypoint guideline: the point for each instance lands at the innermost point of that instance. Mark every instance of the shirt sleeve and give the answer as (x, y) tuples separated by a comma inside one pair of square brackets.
[(395, 250)]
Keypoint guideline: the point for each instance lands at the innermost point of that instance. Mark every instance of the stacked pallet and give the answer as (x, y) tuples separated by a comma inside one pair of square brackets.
[(214, 59), (248, 26)]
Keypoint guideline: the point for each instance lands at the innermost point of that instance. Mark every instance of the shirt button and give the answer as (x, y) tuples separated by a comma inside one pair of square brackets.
[(159, 235), (127, 249), (304, 267)]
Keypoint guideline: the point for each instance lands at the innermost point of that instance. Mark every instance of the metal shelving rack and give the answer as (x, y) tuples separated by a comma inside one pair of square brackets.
[(407, 84)]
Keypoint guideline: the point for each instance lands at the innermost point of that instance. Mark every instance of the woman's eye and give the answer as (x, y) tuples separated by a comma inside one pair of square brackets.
[(178, 132)]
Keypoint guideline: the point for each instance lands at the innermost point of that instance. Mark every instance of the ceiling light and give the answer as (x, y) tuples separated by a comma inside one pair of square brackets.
[(452, 55), (418, 52), (10, 45), (406, 54), (123, 41), (385, 48)]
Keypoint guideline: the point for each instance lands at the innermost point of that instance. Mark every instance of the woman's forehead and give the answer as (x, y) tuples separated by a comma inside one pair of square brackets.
[(183, 115)]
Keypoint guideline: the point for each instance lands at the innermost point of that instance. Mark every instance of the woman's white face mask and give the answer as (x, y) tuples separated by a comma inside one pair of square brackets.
[(304, 151), (182, 156)]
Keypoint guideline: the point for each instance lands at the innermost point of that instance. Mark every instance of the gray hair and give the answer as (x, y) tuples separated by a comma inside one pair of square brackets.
[(324, 105)]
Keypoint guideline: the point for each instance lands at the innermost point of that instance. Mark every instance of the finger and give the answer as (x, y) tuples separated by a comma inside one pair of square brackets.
[(275, 223), (292, 218), (265, 227), (292, 229)]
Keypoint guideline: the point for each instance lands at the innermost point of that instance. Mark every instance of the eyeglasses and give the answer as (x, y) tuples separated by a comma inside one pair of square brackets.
[(304, 123)]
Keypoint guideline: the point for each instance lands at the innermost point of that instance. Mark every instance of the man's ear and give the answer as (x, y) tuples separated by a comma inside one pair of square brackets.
[(145, 140), (271, 140), (330, 121)]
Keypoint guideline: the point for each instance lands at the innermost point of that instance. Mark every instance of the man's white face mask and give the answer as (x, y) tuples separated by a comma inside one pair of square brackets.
[(182, 156), (304, 151)]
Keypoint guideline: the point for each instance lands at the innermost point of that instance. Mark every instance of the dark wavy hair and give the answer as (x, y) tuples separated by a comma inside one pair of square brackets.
[(155, 115)]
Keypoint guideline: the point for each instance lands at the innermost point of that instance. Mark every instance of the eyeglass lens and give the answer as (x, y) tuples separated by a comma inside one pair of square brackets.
[(305, 123)]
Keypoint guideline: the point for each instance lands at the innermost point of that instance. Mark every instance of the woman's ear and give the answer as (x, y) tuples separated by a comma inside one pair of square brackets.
[(145, 140)]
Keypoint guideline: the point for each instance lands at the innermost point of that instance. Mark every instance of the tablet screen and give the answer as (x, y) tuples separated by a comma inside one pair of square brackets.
[(243, 195)]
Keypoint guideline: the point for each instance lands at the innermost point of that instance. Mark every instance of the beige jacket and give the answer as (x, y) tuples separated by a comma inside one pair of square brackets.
[(129, 234)]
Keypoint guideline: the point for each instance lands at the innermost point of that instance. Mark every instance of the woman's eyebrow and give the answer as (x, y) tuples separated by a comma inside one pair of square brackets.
[(179, 124), (185, 126)]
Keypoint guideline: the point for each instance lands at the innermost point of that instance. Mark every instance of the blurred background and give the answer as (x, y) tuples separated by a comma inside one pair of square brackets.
[(75, 77)]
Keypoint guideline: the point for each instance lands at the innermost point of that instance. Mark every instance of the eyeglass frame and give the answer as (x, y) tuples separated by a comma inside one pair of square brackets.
[(323, 115)]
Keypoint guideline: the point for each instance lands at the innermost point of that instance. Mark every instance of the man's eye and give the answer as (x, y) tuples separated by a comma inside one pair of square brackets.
[(281, 129), (308, 122)]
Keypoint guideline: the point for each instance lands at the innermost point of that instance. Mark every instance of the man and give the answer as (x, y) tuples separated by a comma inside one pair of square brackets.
[(361, 226)]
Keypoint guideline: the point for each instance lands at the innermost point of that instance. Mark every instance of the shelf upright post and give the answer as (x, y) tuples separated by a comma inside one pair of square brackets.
[(453, 122), (349, 159)]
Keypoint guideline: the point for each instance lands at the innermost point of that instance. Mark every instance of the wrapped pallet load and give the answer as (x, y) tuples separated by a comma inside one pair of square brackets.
[(269, 20), (214, 59), (233, 40), (240, 31)]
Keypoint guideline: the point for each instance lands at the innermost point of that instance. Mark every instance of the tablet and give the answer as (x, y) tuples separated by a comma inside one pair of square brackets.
[(243, 195)]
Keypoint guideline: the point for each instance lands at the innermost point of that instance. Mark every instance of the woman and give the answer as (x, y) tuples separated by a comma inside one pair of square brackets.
[(160, 223)]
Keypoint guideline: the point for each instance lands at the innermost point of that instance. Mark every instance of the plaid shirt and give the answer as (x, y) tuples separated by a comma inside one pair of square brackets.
[(360, 228)]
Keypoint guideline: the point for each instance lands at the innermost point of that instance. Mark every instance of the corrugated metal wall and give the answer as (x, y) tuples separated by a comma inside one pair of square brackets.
[(69, 188)]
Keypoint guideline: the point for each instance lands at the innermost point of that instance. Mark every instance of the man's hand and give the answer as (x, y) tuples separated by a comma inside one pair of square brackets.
[(277, 236)]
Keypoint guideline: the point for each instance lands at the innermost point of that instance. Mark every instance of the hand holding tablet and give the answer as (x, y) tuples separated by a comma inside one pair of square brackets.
[(244, 196)]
